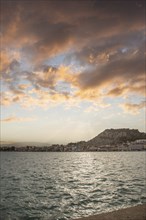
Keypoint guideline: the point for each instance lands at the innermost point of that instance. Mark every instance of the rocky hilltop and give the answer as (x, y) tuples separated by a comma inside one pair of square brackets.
[(117, 136)]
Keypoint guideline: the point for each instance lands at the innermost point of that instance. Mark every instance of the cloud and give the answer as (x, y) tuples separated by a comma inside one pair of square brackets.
[(131, 87), (133, 108), (5, 99), (67, 25), (117, 70), (17, 119), (102, 44), (49, 76), (4, 60)]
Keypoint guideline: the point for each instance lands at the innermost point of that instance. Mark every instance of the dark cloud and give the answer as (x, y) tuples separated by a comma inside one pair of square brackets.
[(106, 38), (11, 71), (118, 70), (113, 47), (14, 66), (52, 23)]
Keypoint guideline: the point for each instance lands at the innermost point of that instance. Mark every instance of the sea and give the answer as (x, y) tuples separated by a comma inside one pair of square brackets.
[(69, 185)]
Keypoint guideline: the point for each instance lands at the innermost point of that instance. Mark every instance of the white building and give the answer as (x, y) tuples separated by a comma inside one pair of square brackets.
[(138, 145)]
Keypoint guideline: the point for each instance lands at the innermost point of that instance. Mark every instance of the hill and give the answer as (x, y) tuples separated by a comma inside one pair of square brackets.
[(117, 136)]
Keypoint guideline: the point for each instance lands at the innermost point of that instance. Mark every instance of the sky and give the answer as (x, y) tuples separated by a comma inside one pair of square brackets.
[(71, 69)]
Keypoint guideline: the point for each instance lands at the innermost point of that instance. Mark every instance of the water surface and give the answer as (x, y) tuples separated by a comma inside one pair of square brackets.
[(67, 185)]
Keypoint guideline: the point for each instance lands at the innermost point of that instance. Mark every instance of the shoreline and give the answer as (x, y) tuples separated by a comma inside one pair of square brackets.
[(133, 213), (72, 151)]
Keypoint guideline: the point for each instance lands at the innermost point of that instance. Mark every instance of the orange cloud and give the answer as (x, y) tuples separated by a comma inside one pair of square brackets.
[(133, 108), (106, 51), (18, 119), (128, 88), (4, 60)]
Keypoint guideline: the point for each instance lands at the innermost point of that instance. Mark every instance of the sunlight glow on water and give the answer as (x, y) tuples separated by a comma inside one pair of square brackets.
[(69, 185)]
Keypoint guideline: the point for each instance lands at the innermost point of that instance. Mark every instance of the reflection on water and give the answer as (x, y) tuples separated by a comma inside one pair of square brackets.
[(69, 185)]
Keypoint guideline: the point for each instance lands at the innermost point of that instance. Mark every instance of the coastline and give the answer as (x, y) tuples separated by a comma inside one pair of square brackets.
[(133, 213)]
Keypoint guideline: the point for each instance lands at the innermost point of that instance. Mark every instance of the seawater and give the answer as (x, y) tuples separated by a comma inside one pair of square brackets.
[(69, 185)]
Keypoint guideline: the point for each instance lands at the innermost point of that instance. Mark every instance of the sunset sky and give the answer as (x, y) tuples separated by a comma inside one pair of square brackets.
[(71, 68)]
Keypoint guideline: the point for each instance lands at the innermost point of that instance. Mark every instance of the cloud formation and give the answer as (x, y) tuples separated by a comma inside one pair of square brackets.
[(101, 45), (133, 108), (17, 119)]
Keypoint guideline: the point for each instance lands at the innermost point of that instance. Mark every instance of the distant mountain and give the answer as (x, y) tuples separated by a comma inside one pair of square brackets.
[(23, 144), (116, 136)]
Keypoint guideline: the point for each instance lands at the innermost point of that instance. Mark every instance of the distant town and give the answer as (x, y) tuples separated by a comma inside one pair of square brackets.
[(109, 140)]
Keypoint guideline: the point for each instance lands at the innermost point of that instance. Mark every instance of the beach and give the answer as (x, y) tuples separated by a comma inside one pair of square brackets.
[(132, 213)]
